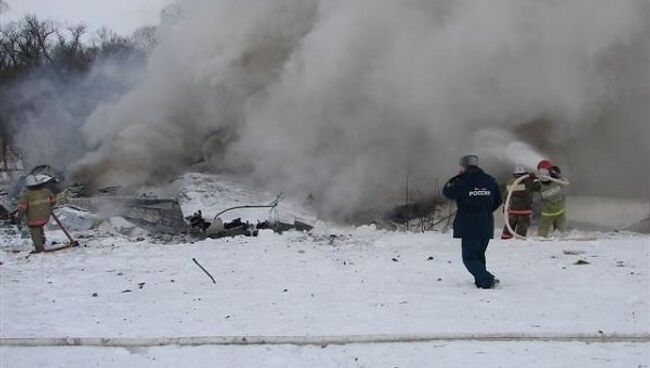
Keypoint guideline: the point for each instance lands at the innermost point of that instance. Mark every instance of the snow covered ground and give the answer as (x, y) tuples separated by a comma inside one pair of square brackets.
[(360, 282), (333, 283), (454, 354)]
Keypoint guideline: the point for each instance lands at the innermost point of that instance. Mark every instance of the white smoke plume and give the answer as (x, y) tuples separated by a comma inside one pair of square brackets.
[(341, 98)]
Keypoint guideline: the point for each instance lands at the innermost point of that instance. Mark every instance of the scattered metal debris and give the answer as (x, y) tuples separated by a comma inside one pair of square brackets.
[(152, 214), (199, 227)]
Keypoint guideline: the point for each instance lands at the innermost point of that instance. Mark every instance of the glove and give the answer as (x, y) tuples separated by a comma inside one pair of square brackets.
[(532, 175)]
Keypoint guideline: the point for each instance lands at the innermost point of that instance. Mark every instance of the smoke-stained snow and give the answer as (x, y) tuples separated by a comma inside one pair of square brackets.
[(344, 99)]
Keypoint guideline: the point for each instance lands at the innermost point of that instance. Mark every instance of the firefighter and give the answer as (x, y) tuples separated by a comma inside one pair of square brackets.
[(553, 207), (36, 205), (477, 195), (521, 202)]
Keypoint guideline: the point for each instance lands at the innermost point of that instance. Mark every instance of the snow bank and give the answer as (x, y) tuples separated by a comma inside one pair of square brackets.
[(212, 194)]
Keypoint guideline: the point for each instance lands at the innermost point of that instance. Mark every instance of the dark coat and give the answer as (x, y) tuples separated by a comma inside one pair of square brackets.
[(477, 195), (521, 199)]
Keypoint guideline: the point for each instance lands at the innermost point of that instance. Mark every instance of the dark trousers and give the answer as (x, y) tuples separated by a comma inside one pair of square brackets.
[(474, 261), (518, 223), (38, 237)]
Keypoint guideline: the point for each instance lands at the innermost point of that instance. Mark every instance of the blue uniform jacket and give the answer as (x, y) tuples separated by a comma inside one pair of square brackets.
[(477, 195)]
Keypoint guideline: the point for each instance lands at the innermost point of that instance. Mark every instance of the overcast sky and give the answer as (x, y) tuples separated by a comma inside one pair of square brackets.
[(122, 16)]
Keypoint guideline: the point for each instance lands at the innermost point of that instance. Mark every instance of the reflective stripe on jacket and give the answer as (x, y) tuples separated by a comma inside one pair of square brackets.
[(37, 205), (552, 199), (521, 199)]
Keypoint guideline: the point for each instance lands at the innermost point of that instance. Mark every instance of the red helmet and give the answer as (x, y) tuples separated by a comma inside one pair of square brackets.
[(544, 164)]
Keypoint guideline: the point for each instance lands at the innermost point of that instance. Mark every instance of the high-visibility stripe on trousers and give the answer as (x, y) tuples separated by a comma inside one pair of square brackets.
[(551, 214)]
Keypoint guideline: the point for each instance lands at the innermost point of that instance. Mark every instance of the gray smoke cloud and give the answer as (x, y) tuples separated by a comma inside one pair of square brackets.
[(47, 111), (344, 99)]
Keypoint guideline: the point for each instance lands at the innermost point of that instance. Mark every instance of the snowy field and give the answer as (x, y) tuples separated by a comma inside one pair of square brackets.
[(331, 283), (337, 297)]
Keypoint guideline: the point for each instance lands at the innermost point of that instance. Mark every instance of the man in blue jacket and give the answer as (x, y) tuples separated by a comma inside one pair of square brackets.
[(477, 195)]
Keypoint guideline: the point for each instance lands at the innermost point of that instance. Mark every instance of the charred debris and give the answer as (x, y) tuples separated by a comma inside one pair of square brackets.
[(112, 209)]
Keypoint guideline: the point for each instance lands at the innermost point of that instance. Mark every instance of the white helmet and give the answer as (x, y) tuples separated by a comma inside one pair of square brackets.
[(36, 180), (519, 170)]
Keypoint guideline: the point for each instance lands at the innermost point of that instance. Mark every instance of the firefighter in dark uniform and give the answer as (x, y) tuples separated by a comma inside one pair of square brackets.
[(477, 196)]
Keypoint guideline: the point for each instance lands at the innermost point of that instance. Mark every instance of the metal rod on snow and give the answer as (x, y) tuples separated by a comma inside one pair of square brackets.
[(204, 270), (65, 231)]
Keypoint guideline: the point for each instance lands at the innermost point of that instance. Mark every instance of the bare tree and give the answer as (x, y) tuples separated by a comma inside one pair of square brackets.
[(39, 31), (70, 53), (145, 38), (33, 47)]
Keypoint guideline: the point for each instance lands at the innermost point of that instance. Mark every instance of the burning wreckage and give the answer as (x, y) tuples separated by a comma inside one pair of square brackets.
[(110, 210), (243, 212), (136, 215), (83, 211), (219, 229)]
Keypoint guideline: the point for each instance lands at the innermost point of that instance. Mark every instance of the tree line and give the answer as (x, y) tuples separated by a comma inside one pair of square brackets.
[(32, 46)]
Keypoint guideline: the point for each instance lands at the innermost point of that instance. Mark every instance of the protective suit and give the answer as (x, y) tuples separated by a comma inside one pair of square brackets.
[(521, 201), (36, 205)]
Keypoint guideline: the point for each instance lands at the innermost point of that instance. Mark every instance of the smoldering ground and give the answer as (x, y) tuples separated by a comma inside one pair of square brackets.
[(344, 99)]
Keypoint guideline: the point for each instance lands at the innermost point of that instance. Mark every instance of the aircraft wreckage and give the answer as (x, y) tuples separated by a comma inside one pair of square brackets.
[(109, 209)]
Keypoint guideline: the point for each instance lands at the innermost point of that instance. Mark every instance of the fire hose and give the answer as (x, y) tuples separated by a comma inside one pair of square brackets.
[(506, 206)]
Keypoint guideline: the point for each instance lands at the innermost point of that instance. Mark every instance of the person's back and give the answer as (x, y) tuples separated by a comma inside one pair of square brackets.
[(477, 195), (37, 205), (521, 202)]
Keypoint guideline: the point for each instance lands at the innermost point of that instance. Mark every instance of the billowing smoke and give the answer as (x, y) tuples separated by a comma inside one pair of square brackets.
[(343, 99), (48, 111)]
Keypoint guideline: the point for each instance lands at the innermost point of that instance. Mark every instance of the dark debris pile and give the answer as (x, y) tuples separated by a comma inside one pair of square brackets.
[(199, 227)]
